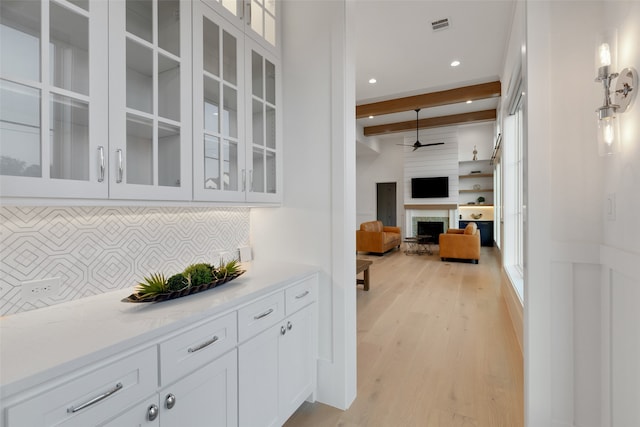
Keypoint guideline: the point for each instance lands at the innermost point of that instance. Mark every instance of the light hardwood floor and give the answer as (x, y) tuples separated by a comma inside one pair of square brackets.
[(435, 348)]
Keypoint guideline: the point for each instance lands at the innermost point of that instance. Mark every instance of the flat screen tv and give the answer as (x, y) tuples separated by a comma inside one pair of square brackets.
[(426, 188)]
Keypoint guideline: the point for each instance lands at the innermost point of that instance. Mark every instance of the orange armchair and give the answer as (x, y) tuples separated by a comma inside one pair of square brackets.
[(374, 237), (461, 244)]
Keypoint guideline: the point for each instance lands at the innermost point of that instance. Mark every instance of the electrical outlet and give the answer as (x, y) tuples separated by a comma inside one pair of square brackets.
[(39, 289)]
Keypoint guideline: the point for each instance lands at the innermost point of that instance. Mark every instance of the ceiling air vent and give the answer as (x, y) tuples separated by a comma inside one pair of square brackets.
[(440, 24)]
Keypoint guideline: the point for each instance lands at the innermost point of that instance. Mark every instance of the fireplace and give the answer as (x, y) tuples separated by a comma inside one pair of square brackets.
[(430, 228)]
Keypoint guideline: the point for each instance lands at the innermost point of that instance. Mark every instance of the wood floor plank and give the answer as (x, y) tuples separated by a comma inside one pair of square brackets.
[(435, 348)]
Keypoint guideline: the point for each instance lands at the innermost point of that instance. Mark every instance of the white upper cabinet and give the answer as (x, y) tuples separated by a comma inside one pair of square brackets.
[(259, 19), (150, 99), (236, 87), (263, 125), (53, 99), (219, 171)]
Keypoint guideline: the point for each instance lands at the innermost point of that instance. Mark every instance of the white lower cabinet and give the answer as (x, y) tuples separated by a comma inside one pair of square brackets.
[(276, 370), (206, 398), (252, 365)]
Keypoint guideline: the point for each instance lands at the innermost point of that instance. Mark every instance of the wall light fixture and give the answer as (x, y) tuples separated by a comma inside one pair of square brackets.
[(624, 93)]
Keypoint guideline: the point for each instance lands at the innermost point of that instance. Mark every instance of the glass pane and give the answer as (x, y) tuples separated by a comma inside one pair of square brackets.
[(257, 175), (229, 58), (256, 17), (139, 158), (257, 117), (230, 111), (270, 5), (168, 155), (69, 138), (139, 77), (69, 50), (270, 82), (270, 29), (256, 74), (84, 4), (20, 153), (211, 47), (271, 172), (270, 124), (139, 18), (212, 162), (211, 105), (169, 26), (168, 88), (20, 39), (230, 165), (231, 6)]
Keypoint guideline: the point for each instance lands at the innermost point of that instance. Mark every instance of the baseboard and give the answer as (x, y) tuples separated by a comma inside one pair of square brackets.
[(514, 306)]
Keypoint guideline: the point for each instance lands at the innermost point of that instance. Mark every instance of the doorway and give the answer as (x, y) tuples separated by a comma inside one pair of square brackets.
[(386, 203)]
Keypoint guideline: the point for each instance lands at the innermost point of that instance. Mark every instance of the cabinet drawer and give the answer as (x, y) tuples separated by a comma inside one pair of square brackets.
[(90, 396), (259, 315), (300, 295), (196, 347)]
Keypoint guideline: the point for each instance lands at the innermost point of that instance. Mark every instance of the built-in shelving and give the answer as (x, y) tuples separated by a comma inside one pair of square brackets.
[(476, 175)]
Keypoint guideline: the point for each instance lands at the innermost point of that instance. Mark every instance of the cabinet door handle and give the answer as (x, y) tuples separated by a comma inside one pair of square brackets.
[(247, 12), (244, 180), (120, 168), (203, 345), (74, 409), (152, 412), (283, 330), (265, 314), (302, 295), (101, 157), (170, 401), (289, 326), (251, 180)]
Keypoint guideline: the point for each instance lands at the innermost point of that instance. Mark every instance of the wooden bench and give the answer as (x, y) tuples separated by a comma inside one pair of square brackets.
[(362, 265)]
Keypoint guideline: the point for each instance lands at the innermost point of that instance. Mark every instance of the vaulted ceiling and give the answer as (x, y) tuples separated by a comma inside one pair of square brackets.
[(411, 62)]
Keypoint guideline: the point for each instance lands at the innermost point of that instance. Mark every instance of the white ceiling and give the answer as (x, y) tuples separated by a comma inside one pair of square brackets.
[(396, 45)]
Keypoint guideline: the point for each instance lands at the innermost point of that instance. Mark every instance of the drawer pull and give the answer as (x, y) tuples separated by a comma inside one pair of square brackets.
[(152, 412), (96, 399), (265, 314), (203, 345), (302, 295)]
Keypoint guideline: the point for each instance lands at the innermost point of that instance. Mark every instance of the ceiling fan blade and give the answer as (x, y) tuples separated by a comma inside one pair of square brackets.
[(433, 143)]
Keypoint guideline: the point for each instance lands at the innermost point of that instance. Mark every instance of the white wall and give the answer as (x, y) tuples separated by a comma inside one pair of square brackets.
[(386, 166), (582, 280), (316, 223)]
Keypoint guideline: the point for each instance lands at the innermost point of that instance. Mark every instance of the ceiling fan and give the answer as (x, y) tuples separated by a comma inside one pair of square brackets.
[(419, 144)]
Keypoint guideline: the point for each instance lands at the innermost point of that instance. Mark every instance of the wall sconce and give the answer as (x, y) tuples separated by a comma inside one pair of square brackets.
[(624, 94)]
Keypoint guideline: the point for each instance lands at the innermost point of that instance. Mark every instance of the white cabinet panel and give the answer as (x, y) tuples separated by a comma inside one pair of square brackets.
[(52, 115), (90, 397), (150, 100)]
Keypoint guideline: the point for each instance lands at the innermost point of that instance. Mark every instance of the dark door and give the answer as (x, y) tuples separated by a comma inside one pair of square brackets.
[(386, 203)]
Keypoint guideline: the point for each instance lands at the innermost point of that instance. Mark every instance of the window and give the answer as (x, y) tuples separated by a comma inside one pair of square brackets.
[(513, 191)]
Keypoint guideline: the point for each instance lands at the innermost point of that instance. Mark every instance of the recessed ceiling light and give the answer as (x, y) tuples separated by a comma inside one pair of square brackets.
[(455, 63), (371, 117), (469, 101), (372, 80)]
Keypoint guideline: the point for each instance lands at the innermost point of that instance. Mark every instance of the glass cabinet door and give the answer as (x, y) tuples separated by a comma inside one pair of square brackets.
[(53, 101), (218, 157), (263, 136), (150, 99)]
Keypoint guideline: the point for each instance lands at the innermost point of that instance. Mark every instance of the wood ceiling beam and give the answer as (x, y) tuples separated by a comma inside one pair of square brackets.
[(431, 122), (433, 99)]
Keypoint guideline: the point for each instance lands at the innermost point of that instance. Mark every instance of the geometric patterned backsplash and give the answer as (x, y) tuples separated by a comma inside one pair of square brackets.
[(99, 249)]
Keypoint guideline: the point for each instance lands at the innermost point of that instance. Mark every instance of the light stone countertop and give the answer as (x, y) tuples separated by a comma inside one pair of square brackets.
[(39, 345)]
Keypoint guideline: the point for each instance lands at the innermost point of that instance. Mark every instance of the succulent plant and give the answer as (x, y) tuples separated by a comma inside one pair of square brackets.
[(154, 284), (198, 274), (228, 269), (177, 282)]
